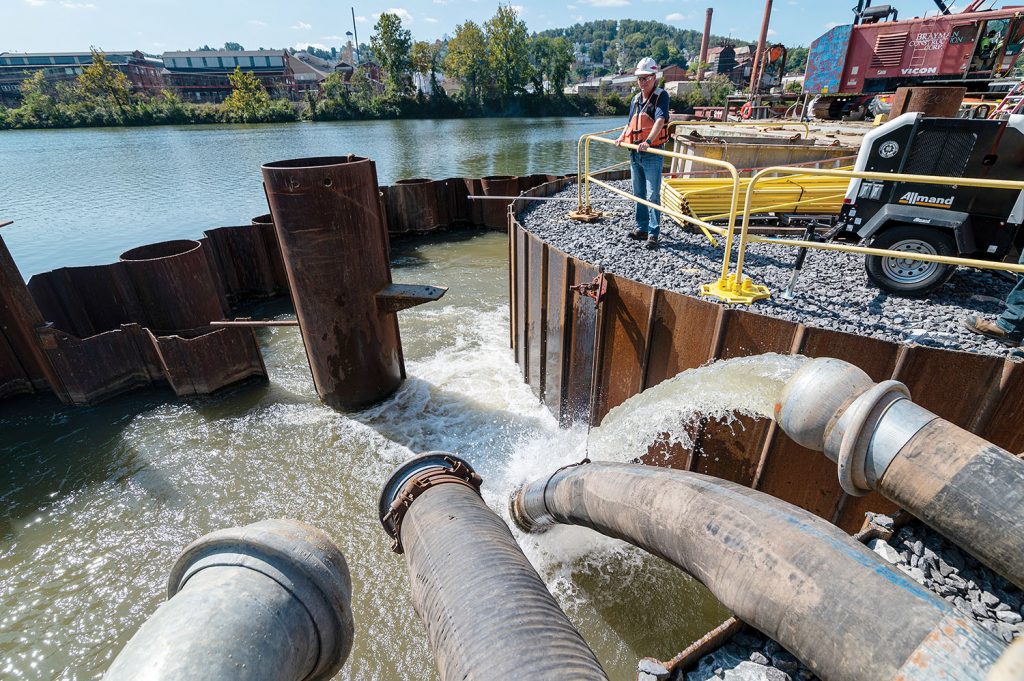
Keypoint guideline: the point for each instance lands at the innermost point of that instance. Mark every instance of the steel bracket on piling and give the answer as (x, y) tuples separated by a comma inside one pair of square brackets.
[(596, 289), (728, 290), (396, 297)]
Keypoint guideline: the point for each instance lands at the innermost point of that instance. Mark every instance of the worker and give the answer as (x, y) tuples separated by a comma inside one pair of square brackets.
[(648, 129), (987, 46), (1008, 328)]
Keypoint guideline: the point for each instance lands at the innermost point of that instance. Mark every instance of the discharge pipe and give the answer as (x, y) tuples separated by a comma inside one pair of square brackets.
[(487, 613), (969, 490), (269, 601), (825, 597)]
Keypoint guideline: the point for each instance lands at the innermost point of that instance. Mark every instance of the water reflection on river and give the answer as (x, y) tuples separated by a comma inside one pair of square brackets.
[(96, 503)]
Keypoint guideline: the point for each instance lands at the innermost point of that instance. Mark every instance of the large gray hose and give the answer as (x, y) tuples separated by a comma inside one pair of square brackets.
[(487, 613), (825, 597), (968, 489), (269, 601)]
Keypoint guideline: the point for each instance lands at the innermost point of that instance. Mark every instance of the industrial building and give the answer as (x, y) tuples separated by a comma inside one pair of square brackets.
[(143, 72)]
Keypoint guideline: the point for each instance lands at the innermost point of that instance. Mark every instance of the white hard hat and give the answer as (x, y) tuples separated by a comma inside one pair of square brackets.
[(646, 67)]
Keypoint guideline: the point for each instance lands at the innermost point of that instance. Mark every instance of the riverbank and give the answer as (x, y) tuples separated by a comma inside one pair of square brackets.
[(168, 109)]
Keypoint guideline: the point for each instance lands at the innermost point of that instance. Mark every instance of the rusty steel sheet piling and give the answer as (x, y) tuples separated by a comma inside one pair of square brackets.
[(24, 366), (495, 212), (174, 284), (334, 240), (241, 259), (411, 206), (594, 356)]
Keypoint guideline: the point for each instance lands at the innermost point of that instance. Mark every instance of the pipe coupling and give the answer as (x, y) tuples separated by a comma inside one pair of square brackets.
[(833, 406), (528, 508), (302, 559), (413, 478)]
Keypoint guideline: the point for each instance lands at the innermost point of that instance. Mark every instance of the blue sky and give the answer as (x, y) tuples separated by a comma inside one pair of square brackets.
[(158, 25)]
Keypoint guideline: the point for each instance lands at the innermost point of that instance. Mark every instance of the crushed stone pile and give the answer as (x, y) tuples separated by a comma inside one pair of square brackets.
[(833, 291)]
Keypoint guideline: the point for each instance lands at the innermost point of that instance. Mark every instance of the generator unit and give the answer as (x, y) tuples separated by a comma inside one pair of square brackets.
[(935, 219)]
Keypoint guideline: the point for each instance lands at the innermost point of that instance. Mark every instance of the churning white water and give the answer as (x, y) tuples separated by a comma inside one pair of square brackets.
[(95, 504)]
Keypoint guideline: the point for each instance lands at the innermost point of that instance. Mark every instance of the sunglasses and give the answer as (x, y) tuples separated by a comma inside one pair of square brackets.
[(644, 78)]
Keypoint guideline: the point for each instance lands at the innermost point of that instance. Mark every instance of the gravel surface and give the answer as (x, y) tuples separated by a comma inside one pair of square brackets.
[(922, 554), (833, 291)]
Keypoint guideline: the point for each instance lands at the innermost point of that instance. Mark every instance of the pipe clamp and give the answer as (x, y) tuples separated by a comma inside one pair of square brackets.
[(855, 428), (413, 478)]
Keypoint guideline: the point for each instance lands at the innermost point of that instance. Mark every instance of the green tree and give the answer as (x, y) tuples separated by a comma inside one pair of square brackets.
[(100, 82), (38, 100), (426, 58), (248, 101), (507, 51), (467, 58), (551, 58), (391, 46), (233, 47)]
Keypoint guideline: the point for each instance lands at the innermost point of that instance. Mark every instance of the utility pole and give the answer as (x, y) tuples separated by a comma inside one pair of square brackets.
[(704, 44), (755, 67), (355, 31)]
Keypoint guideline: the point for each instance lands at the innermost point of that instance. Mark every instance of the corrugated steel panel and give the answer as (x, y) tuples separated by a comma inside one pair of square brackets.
[(559, 276), (201, 362), (1004, 424), (536, 324), (627, 307), (583, 330), (951, 384), (522, 296), (682, 336), (242, 261)]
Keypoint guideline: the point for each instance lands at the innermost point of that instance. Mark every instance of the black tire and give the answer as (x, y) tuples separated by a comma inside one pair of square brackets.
[(905, 276)]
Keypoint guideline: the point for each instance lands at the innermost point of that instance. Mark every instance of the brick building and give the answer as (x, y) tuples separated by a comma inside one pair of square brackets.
[(143, 72), (202, 76)]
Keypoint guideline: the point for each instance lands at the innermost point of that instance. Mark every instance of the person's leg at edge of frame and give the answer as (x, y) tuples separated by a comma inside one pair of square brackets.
[(1012, 319), (636, 170), (653, 165)]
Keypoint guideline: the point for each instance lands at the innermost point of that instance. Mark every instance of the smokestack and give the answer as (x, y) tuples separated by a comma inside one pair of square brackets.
[(755, 67), (704, 45)]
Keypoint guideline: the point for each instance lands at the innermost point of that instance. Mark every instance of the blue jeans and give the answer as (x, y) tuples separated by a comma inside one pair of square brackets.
[(646, 171), (1012, 319)]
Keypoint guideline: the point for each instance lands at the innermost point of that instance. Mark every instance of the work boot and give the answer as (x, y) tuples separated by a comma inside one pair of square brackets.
[(638, 235), (651, 243), (984, 327)]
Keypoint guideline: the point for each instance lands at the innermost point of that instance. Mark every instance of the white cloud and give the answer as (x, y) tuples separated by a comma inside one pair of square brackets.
[(441, 2), (771, 32), (35, 3), (430, 20), (518, 9), (333, 38), (301, 26), (306, 46), (256, 22), (675, 16), (77, 5), (605, 3), (832, 24), (360, 19), (402, 14)]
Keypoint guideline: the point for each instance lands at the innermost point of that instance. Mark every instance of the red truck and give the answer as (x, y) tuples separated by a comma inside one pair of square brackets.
[(850, 64)]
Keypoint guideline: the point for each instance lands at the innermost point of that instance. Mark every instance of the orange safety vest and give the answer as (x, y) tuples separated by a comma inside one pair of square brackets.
[(641, 124)]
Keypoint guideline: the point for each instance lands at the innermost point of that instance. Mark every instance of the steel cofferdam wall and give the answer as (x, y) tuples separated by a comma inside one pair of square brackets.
[(88, 333), (583, 359)]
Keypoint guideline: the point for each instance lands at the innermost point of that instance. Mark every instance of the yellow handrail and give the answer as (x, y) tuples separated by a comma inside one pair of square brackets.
[(780, 124), (736, 281), (704, 226)]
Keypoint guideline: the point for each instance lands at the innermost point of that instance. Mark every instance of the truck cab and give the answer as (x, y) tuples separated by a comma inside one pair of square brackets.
[(935, 219)]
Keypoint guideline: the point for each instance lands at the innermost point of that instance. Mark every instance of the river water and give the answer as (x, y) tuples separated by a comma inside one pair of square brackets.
[(95, 503)]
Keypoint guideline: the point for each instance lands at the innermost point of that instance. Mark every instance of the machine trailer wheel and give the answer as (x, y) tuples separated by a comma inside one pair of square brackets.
[(906, 275)]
